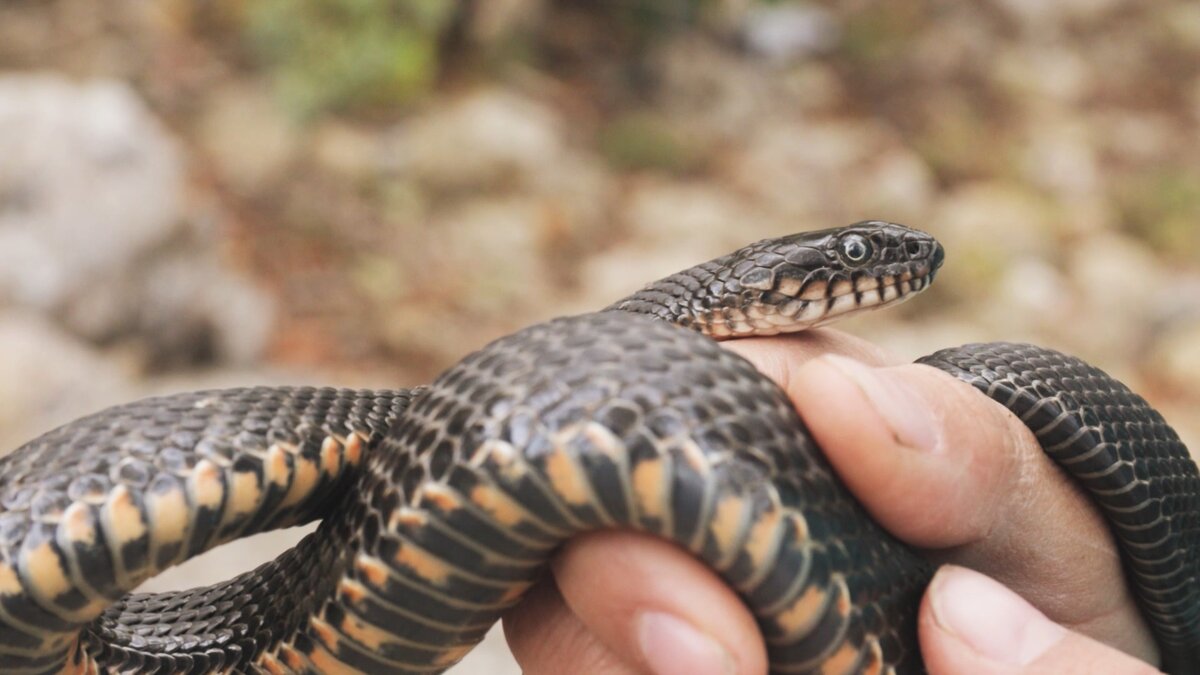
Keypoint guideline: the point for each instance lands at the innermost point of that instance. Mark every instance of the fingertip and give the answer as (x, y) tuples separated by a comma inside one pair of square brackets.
[(895, 437), (991, 621), (970, 623), (613, 581), (545, 637)]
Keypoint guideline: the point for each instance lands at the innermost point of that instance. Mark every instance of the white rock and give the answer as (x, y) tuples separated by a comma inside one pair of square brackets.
[(1119, 283), (476, 140), (345, 150), (94, 231), (993, 221), (1137, 137), (248, 136), (1034, 297), (788, 32), (1118, 275), (799, 167), (1035, 287), (698, 217), (494, 247), (497, 20), (720, 95), (896, 185), (89, 180), (1040, 15), (48, 377), (1175, 356), (1060, 157), (1183, 22), (1044, 74), (191, 306)]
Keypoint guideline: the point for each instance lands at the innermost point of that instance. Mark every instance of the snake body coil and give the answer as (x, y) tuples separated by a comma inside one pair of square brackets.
[(440, 505)]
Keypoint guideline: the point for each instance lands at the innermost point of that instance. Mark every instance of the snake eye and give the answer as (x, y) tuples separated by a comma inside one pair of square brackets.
[(855, 248)]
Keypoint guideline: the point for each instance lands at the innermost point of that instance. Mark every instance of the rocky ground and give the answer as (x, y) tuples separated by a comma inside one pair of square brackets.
[(180, 207)]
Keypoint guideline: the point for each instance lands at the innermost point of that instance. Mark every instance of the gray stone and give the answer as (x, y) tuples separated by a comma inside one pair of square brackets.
[(824, 173), (994, 219), (1033, 297), (788, 32), (798, 167), (669, 225), (1119, 282), (194, 310), (248, 136), (1053, 15), (1175, 356), (89, 181), (48, 377), (344, 150), (1060, 158), (1118, 276), (480, 139), (94, 232)]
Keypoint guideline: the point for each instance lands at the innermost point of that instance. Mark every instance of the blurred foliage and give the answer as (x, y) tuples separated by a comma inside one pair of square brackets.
[(353, 55), (952, 143), (875, 37), (349, 54), (647, 20), (1163, 208), (637, 141)]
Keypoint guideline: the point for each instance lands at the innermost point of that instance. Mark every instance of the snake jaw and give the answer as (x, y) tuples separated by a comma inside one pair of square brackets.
[(819, 303)]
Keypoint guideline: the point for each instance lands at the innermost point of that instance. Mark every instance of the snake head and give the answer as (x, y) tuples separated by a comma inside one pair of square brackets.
[(811, 278), (795, 282)]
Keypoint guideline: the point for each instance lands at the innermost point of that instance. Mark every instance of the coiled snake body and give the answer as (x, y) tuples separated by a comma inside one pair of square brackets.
[(440, 505)]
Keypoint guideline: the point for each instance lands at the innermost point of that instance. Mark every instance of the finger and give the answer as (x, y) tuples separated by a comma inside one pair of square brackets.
[(779, 357), (614, 599), (657, 608), (972, 624), (946, 469), (546, 638)]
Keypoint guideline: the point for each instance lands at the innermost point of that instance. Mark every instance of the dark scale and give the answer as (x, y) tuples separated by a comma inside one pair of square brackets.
[(440, 505)]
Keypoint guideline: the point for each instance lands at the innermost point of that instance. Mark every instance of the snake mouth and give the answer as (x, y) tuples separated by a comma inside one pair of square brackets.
[(849, 297), (816, 302)]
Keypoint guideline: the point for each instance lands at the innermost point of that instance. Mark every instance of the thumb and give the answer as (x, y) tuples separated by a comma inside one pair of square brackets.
[(970, 623)]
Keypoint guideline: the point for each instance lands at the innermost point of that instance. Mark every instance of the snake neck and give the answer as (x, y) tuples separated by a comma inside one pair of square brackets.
[(682, 299)]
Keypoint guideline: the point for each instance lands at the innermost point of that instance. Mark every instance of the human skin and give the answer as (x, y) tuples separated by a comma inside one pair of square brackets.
[(941, 467)]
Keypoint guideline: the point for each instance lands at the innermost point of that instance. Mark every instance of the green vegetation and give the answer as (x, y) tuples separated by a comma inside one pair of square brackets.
[(644, 141), (349, 54), (356, 55), (878, 33), (1163, 208)]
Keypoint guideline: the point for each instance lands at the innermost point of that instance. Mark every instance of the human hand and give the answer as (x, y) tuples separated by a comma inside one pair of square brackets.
[(937, 464), (969, 623)]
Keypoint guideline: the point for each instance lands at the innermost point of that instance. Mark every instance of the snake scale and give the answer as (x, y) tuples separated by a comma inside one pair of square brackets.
[(440, 505)]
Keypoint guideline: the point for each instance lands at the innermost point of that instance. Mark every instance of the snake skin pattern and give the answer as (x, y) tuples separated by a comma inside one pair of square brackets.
[(440, 505), (1125, 456)]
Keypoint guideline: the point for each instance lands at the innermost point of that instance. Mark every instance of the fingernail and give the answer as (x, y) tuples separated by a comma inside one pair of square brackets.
[(672, 646), (990, 619), (902, 408)]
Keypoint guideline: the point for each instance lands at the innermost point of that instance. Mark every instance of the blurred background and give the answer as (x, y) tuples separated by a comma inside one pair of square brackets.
[(199, 193)]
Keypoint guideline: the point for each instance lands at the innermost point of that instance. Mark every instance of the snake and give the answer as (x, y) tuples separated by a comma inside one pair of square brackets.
[(439, 505)]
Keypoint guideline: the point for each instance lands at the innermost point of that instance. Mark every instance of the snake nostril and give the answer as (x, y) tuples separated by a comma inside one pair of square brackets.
[(939, 256), (914, 249)]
